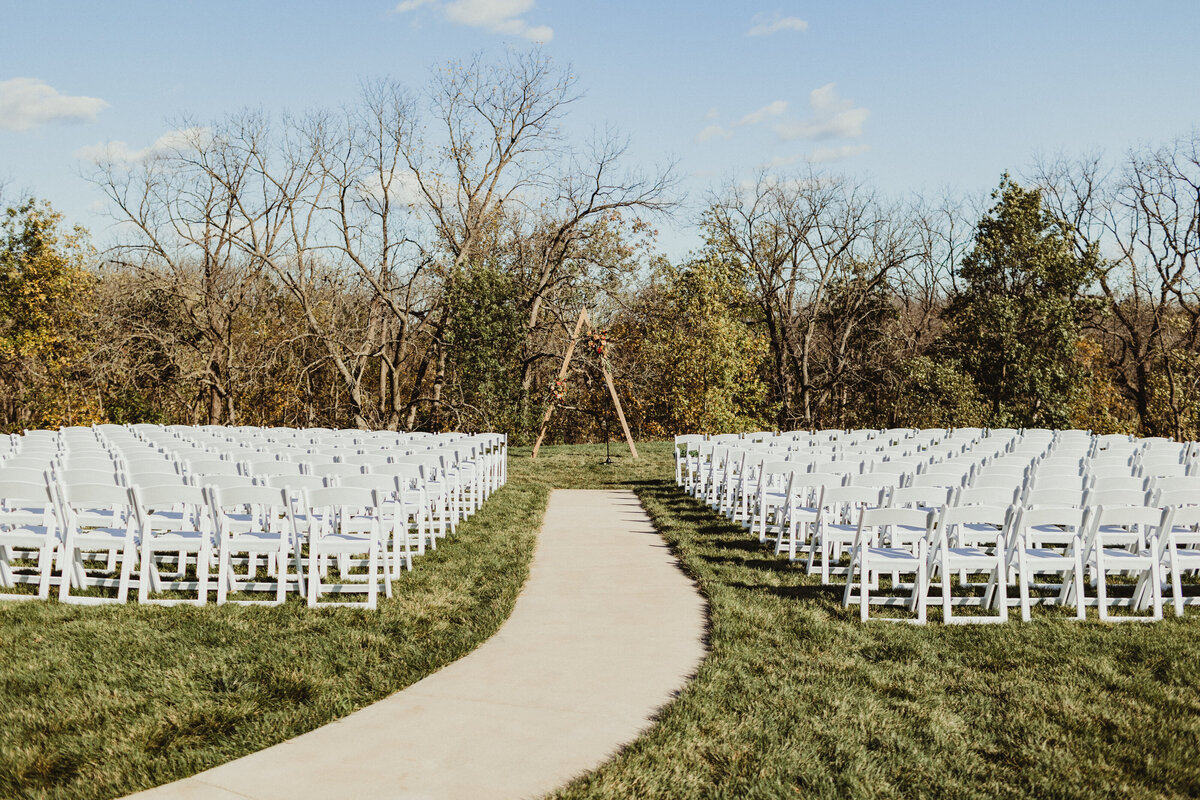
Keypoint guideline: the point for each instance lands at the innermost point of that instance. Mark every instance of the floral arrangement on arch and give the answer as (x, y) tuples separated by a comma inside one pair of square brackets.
[(599, 343), (558, 391)]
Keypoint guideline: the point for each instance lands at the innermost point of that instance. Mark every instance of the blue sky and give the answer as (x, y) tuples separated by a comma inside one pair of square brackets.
[(908, 96)]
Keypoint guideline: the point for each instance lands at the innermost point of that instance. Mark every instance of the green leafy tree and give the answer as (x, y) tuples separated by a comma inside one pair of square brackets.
[(1014, 325), (44, 286), (700, 363), (484, 333)]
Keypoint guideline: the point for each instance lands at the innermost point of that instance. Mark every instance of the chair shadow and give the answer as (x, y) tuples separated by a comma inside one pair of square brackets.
[(828, 594)]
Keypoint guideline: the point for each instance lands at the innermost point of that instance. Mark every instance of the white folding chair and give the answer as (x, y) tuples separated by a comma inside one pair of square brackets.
[(1047, 540), (1179, 547), (345, 522), (29, 523), (255, 520), (836, 526), (871, 558), (176, 520), (97, 518), (1124, 539), (969, 539)]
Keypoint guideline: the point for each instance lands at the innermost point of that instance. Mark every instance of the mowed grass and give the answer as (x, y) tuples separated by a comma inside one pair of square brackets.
[(796, 699), (799, 699), (100, 702)]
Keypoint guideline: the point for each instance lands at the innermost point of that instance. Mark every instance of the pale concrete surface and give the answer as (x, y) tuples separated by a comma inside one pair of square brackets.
[(605, 631)]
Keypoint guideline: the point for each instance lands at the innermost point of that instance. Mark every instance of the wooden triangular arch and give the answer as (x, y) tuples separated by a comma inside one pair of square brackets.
[(584, 319)]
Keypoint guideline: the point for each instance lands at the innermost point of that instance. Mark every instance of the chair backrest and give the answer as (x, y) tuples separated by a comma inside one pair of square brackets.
[(191, 501), (998, 496), (87, 476), (1174, 483), (379, 483), (339, 469), (340, 497), (1034, 498), (1123, 483), (872, 521), (86, 503), (1116, 497), (1137, 521), (937, 480), (1179, 497), (211, 467), (224, 481), (1045, 481), (19, 496), (974, 515), (101, 463), (919, 497), (295, 483), (1069, 518), (819, 479), (877, 479), (228, 497), (1156, 469), (977, 516), (22, 475), (145, 480)]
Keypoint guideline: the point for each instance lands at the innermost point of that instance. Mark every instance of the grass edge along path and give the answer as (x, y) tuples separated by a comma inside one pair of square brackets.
[(101, 702), (797, 698)]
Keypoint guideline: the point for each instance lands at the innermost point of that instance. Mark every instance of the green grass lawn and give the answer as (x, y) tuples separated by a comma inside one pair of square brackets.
[(797, 698), (100, 702)]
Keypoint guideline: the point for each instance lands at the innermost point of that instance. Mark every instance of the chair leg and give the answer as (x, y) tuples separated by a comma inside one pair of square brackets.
[(127, 561), (202, 567), (144, 585), (1080, 606), (45, 568), (864, 591), (67, 566), (223, 567)]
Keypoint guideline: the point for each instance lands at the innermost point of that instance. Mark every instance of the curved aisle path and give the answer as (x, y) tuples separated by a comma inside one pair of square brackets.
[(606, 629)]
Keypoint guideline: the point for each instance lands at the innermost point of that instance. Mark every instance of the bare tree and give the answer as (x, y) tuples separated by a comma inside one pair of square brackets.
[(183, 213)]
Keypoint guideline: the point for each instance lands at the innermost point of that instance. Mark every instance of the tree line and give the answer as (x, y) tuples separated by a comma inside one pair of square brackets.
[(416, 260)]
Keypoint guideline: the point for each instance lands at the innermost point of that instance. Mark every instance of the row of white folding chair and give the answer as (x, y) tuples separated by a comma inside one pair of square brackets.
[(997, 541), (85, 520)]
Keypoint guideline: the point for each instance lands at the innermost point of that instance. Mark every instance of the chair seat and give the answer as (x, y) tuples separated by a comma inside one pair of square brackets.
[(175, 538), (244, 539), (970, 558), (1116, 554), (28, 536), (891, 554), (980, 528), (343, 543), (100, 537), (1044, 554), (23, 515)]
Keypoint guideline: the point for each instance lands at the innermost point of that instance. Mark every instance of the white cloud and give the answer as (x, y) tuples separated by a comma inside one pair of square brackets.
[(498, 16), (756, 117), (118, 152), (833, 118), (712, 113), (401, 187), (713, 132), (824, 155), (766, 24), (28, 102), (773, 109)]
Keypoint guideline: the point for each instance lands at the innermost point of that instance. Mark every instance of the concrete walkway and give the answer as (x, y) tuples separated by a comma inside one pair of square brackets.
[(603, 634)]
